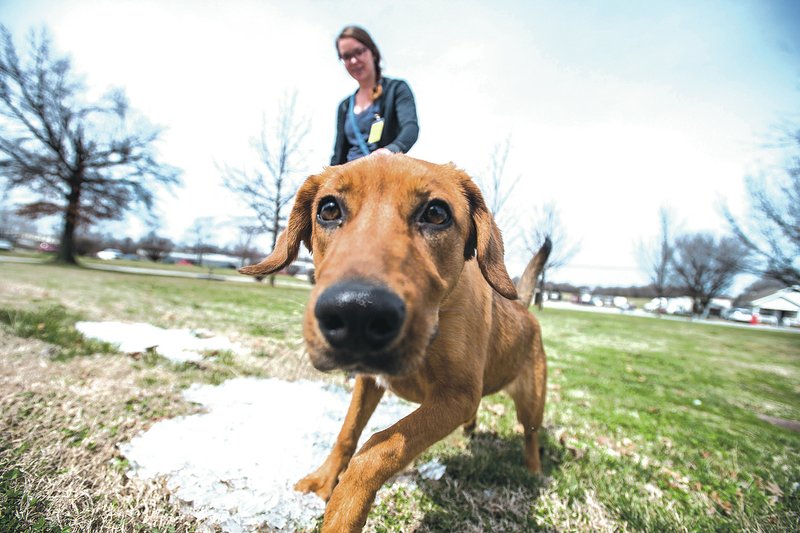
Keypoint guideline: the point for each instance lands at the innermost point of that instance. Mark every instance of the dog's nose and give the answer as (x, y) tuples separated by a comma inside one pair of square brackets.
[(359, 316)]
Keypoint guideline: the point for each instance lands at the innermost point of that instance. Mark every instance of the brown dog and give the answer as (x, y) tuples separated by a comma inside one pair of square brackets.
[(400, 300)]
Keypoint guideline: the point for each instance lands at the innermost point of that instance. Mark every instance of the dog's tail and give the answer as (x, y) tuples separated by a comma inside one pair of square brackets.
[(527, 283)]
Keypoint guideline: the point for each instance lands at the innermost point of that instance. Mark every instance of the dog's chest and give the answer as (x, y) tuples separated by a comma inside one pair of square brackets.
[(409, 389)]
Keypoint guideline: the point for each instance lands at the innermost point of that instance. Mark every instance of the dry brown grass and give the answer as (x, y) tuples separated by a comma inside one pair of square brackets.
[(61, 423)]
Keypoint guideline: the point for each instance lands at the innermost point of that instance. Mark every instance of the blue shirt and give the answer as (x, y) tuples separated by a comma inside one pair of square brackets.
[(364, 122)]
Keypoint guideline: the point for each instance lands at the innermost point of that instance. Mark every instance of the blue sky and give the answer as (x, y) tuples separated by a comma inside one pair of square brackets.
[(613, 109)]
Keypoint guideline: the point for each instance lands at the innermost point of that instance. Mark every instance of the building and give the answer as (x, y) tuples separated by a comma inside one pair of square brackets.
[(783, 304)]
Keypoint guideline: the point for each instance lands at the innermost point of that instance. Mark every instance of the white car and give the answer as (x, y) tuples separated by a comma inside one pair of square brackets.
[(108, 254), (6, 245), (738, 315), (770, 320), (791, 322)]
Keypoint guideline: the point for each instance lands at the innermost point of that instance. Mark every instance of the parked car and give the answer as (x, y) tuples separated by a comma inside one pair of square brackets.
[(738, 314), (6, 245), (301, 269), (791, 322), (108, 254), (770, 320), (48, 247)]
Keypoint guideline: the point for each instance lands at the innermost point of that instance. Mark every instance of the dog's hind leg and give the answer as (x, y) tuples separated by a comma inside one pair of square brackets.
[(528, 393), (366, 395), (469, 427)]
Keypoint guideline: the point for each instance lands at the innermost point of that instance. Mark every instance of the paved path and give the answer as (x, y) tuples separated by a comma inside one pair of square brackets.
[(644, 314), (14, 259), (280, 280)]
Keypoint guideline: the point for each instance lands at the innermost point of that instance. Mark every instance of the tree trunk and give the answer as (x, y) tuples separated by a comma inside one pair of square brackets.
[(66, 249)]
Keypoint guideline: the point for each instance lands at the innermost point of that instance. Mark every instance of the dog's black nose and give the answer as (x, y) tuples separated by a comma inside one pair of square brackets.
[(359, 316)]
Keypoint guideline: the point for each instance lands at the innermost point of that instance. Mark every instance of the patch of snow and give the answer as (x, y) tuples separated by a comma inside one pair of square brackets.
[(577, 393), (178, 345), (432, 470), (234, 466), (654, 492)]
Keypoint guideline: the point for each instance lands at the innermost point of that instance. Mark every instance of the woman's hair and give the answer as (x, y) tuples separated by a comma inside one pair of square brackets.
[(360, 34)]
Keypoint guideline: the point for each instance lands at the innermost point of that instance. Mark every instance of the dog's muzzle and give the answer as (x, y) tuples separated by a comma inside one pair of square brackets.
[(360, 320)]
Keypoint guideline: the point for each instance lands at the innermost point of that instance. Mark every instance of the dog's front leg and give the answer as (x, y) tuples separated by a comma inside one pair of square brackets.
[(388, 452), (366, 395)]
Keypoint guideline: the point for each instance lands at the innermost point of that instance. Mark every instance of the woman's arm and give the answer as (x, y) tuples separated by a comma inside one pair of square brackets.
[(340, 145), (406, 111)]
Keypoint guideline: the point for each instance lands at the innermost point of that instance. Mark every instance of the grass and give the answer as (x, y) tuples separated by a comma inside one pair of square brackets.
[(53, 325), (250, 308), (13, 498), (650, 424), (663, 416)]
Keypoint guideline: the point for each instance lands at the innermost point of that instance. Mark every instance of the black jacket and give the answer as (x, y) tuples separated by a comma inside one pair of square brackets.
[(399, 112)]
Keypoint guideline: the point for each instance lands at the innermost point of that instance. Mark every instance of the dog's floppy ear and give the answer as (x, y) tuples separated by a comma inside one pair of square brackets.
[(485, 238), (297, 230)]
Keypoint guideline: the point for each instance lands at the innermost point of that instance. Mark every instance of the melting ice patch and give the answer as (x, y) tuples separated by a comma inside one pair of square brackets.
[(234, 466), (179, 345)]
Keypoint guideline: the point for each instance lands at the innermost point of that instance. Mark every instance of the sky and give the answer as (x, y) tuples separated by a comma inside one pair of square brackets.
[(611, 109)]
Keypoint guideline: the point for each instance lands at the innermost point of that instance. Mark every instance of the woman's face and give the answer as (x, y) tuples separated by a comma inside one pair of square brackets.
[(357, 59)]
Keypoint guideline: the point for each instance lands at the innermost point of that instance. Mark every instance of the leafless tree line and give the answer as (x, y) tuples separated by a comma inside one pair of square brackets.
[(771, 229), (85, 161), (542, 222), (268, 189), (765, 242)]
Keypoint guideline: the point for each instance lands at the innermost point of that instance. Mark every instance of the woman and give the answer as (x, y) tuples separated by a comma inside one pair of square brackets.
[(381, 115)]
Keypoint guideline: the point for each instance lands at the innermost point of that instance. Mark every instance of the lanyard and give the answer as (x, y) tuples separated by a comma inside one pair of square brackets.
[(359, 136)]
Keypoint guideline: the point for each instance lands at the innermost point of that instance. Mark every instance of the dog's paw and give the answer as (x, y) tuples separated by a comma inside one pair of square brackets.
[(319, 484)]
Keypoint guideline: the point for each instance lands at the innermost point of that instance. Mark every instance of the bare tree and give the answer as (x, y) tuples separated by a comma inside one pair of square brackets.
[(155, 248), (756, 290), (84, 161), (280, 153), (248, 231), (707, 266), (655, 258), (200, 233), (771, 230), (496, 191), (546, 224)]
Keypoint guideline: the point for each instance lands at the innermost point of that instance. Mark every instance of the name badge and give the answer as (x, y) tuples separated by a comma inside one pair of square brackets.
[(375, 131)]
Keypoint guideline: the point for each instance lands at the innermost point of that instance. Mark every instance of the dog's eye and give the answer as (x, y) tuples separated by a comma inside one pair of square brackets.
[(329, 210), (436, 213)]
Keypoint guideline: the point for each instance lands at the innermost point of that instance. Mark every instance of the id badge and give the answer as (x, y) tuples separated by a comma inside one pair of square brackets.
[(375, 131)]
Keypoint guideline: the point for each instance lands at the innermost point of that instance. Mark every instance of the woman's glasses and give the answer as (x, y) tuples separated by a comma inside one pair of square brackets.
[(358, 52)]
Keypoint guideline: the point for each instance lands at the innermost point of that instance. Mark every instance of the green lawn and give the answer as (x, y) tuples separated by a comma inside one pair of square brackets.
[(651, 424)]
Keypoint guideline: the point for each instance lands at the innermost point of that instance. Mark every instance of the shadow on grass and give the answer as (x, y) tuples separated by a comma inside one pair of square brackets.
[(487, 487)]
